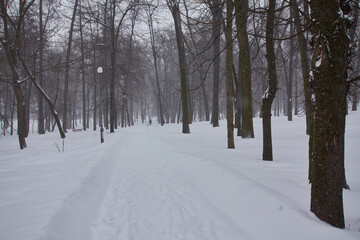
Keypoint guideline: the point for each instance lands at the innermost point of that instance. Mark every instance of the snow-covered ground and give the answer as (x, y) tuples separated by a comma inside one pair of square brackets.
[(154, 183)]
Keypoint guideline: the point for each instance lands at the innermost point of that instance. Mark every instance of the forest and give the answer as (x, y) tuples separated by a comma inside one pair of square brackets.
[(101, 65)]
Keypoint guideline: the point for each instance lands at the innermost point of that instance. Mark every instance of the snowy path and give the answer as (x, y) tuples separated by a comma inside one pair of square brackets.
[(147, 200)]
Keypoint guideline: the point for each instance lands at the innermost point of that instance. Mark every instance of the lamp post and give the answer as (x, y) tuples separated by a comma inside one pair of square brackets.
[(100, 71)]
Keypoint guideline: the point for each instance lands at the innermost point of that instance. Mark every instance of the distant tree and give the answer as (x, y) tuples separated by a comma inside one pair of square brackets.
[(150, 22), (117, 17), (305, 65), (329, 63)]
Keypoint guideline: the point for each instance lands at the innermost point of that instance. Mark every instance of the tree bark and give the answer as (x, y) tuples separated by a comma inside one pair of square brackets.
[(241, 9), (229, 75), (269, 94), (95, 92), (174, 8), (329, 64), (41, 128), (12, 46), (113, 39), (216, 12), (289, 84)]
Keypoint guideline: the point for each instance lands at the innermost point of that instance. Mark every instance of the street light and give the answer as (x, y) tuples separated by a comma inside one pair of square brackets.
[(100, 71)]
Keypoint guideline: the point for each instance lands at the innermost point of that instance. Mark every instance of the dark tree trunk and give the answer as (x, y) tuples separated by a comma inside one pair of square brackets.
[(28, 100), (329, 64), (289, 86), (241, 7), (21, 127), (174, 7), (229, 75), (94, 91), (216, 12), (112, 80), (269, 94), (12, 117), (238, 101), (12, 47), (41, 127), (296, 97), (353, 91)]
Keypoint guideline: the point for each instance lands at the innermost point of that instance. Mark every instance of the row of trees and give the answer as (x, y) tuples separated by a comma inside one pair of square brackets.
[(183, 61)]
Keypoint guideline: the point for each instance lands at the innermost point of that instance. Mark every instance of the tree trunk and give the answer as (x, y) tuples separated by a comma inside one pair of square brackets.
[(94, 90), (229, 75), (329, 64), (291, 73), (269, 94), (28, 101), (205, 98), (183, 66), (112, 79), (241, 7), (12, 47), (216, 12), (67, 67), (41, 127), (353, 91), (21, 127), (82, 70), (305, 66), (296, 101)]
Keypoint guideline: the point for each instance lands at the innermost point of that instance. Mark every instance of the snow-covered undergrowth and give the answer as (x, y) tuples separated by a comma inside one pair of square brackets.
[(153, 183)]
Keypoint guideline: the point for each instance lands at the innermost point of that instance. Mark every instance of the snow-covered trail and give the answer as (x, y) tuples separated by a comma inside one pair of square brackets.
[(148, 199)]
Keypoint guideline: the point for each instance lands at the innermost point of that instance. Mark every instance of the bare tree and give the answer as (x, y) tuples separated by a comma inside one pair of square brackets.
[(175, 11), (270, 92), (83, 82), (11, 41), (229, 74), (150, 21), (216, 7), (67, 67), (41, 128), (241, 9)]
